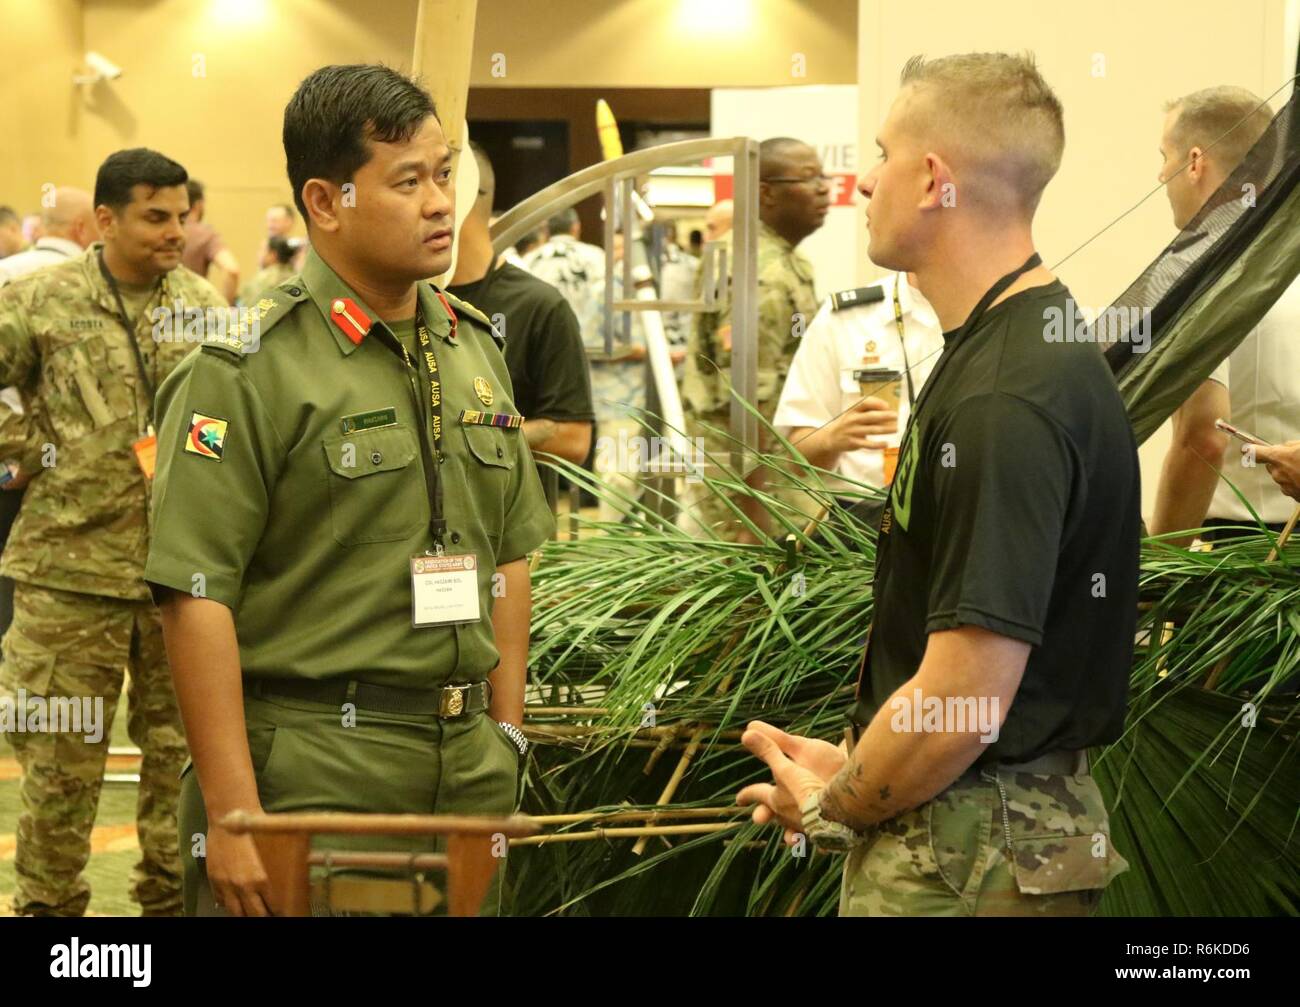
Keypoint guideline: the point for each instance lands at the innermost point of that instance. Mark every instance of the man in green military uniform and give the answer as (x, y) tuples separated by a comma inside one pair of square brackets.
[(793, 199), (349, 628), (84, 343)]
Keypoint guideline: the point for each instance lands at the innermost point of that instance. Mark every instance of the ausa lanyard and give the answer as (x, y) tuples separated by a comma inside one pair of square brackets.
[(882, 546), (901, 278), (130, 331), (972, 320), (428, 448)]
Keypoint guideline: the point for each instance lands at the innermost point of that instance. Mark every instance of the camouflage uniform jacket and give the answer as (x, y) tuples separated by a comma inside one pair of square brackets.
[(787, 302), (84, 521)]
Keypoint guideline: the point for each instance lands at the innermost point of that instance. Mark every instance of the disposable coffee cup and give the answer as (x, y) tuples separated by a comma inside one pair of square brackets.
[(881, 383)]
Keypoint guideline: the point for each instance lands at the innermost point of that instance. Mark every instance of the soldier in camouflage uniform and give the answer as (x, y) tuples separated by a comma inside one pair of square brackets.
[(793, 201), (82, 612)]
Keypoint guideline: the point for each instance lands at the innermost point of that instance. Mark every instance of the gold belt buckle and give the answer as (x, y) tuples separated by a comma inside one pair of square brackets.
[(452, 703)]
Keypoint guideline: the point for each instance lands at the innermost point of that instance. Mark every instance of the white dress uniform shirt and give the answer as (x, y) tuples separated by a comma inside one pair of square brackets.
[(46, 252), (860, 333), (1262, 376)]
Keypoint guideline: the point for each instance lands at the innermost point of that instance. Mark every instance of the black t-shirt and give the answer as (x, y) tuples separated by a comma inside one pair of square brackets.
[(544, 354), (1016, 507)]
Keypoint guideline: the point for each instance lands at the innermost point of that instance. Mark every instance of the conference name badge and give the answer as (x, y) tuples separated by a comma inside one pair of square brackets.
[(444, 590), (146, 454)]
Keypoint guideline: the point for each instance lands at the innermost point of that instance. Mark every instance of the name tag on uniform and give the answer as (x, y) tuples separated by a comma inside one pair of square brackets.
[(369, 421), (444, 590)]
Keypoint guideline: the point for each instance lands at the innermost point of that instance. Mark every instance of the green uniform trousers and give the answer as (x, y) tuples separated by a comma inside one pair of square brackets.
[(306, 759), (68, 646), (995, 843)]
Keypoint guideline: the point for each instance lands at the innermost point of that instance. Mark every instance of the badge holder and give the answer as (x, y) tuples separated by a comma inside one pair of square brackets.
[(146, 452), (444, 589)]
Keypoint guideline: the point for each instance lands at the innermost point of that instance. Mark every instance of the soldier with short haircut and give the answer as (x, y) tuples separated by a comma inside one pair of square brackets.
[(1005, 585), (77, 338)]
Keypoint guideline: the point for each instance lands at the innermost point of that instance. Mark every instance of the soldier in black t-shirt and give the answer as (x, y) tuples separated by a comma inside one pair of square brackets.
[(1007, 563), (544, 352)]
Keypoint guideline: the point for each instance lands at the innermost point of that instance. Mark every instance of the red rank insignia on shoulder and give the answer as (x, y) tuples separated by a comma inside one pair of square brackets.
[(450, 313), (352, 320)]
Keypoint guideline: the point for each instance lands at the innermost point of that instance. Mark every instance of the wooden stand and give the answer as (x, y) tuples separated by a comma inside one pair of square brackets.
[(284, 844)]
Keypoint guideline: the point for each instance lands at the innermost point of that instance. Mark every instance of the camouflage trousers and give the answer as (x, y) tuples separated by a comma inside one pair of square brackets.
[(616, 466), (68, 646), (995, 843), (707, 511)]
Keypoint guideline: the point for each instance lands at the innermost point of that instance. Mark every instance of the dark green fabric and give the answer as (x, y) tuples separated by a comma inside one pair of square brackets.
[(1212, 325), (544, 352), (305, 759), (305, 529)]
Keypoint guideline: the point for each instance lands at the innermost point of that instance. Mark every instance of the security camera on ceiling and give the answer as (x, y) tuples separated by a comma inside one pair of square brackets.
[(103, 69)]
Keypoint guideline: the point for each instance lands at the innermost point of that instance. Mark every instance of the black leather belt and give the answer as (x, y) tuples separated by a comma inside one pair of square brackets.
[(449, 701), (1062, 762)]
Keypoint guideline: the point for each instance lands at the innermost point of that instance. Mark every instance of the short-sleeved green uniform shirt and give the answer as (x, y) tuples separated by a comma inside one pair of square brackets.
[(290, 488)]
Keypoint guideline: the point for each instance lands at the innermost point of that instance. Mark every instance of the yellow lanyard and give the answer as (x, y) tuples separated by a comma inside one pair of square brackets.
[(902, 338)]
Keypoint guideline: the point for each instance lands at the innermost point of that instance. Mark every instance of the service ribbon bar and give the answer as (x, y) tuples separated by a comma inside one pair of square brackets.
[(480, 419)]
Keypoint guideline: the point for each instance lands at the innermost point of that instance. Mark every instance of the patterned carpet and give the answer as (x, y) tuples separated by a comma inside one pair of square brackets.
[(114, 849)]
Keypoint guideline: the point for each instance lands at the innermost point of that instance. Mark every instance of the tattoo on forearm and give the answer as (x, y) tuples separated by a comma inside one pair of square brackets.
[(540, 431), (844, 799), (842, 794)]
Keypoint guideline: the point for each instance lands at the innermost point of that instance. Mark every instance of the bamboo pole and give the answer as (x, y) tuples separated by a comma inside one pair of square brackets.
[(652, 814), (566, 711), (582, 731), (666, 743), (1282, 539), (644, 832), (692, 747)]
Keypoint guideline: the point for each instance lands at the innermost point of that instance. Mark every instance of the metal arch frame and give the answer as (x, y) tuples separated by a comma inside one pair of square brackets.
[(608, 177)]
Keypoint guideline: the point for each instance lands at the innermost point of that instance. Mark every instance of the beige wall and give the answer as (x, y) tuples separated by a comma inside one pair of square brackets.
[(209, 88), (38, 117), (665, 43), (206, 81), (1151, 52)]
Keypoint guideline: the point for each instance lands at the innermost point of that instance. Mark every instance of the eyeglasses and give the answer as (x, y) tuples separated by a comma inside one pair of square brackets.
[(807, 180)]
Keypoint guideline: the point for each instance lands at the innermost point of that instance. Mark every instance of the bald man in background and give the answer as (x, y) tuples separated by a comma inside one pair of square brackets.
[(11, 232), (717, 221), (69, 227)]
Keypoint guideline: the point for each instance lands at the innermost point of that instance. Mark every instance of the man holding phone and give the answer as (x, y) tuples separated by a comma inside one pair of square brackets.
[(1207, 134)]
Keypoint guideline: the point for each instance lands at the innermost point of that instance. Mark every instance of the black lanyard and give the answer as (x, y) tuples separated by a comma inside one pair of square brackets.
[(145, 379), (902, 339), (967, 327), (427, 369)]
